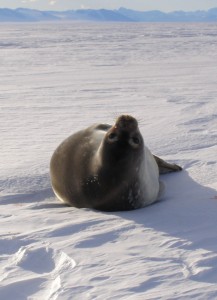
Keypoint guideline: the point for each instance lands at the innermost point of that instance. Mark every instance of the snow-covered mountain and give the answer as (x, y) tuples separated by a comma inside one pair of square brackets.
[(176, 16), (104, 15)]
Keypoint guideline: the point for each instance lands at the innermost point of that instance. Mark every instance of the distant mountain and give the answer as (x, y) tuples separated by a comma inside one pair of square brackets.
[(104, 15), (25, 15), (32, 15), (101, 15), (176, 16)]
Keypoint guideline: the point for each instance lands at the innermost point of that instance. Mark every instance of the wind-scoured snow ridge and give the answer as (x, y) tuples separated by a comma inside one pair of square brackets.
[(57, 79), (105, 15)]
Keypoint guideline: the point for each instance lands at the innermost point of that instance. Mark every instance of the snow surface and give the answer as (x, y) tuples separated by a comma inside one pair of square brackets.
[(58, 78)]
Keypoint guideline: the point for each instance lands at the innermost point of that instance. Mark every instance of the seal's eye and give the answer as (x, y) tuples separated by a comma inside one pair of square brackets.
[(112, 137), (136, 140)]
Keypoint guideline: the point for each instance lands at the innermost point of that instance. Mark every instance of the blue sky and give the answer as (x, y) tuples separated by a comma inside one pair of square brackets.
[(164, 5)]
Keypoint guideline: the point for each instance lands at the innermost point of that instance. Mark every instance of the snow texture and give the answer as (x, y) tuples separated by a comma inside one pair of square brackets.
[(58, 78)]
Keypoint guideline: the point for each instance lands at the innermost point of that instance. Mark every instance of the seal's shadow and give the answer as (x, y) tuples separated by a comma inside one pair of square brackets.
[(186, 219), (39, 199), (30, 197), (187, 211)]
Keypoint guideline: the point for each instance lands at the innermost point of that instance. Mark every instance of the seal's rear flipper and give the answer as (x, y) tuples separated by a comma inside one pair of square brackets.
[(165, 167)]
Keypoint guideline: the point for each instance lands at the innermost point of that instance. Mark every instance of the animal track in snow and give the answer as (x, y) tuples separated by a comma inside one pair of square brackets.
[(41, 267)]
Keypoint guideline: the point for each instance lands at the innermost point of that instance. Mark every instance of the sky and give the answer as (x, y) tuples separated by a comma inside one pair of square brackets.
[(163, 5)]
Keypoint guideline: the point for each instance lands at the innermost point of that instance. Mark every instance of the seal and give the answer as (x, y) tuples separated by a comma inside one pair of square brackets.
[(108, 168)]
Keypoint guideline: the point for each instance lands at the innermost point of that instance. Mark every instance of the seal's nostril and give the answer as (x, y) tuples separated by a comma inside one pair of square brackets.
[(126, 122)]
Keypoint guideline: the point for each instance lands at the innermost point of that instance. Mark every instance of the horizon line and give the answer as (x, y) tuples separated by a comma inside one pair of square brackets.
[(115, 9)]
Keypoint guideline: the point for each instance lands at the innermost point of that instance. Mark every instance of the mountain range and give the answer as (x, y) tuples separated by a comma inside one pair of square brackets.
[(104, 15)]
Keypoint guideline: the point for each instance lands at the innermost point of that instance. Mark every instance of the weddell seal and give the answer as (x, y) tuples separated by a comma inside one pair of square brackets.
[(107, 168)]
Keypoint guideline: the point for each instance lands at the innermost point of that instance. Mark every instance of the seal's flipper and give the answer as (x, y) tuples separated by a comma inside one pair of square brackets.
[(165, 167)]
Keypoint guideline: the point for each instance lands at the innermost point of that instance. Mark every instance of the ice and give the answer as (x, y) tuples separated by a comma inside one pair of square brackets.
[(58, 78)]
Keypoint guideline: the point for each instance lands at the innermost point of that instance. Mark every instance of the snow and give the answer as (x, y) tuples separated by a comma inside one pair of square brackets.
[(59, 78)]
